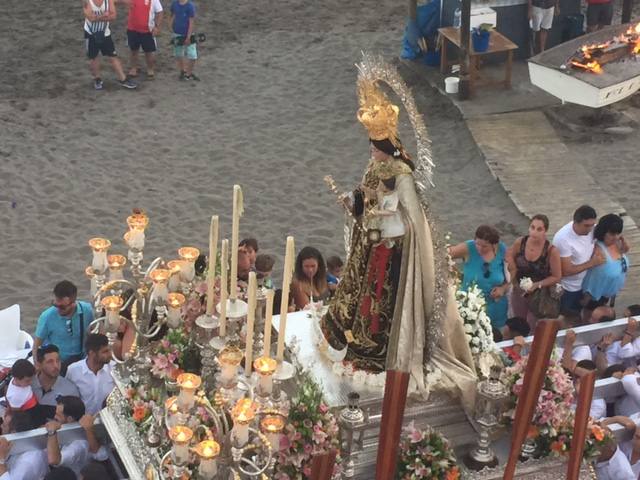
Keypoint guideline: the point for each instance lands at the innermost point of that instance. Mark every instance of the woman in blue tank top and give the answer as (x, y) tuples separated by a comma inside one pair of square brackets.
[(605, 281), (484, 258)]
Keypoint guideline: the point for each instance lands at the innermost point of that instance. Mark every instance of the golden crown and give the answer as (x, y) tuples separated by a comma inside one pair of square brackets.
[(378, 115)]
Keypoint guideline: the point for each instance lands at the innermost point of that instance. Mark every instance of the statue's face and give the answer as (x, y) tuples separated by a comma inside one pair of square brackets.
[(378, 155)]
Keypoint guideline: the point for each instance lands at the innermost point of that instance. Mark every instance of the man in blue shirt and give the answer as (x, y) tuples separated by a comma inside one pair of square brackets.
[(64, 324)]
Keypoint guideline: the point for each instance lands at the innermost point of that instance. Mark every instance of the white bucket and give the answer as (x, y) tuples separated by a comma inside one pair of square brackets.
[(451, 84)]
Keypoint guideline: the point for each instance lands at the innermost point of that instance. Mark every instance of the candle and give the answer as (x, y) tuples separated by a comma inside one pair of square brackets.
[(265, 367), (174, 267), (94, 282), (137, 223), (188, 383), (229, 359), (208, 451), (267, 324), (180, 436), (251, 318), (235, 233), (99, 247), (112, 305), (224, 258), (272, 426), (284, 304), (175, 301), (175, 417), (160, 276), (116, 264), (188, 255), (243, 414), (213, 253)]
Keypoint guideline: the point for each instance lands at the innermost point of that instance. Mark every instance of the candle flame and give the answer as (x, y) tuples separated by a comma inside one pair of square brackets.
[(138, 220), (112, 303), (99, 244), (175, 300), (244, 411), (189, 254), (160, 275), (265, 365), (189, 381), (181, 437), (272, 424), (208, 449), (116, 261)]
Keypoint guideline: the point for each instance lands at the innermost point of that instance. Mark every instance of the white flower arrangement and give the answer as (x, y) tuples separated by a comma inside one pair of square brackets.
[(472, 307), (359, 377), (525, 284)]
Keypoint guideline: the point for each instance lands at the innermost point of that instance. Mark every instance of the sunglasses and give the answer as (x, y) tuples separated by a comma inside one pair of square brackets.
[(625, 267), (486, 272)]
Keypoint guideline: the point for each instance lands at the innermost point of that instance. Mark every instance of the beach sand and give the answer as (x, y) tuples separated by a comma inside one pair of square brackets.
[(274, 112)]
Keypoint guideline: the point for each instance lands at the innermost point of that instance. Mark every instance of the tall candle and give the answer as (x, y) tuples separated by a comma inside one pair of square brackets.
[(267, 324), (284, 304), (251, 318), (213, 252), (224, 257), (235, 233)]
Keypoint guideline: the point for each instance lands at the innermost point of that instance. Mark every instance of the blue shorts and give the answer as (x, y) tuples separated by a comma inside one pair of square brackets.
[(189, 51)]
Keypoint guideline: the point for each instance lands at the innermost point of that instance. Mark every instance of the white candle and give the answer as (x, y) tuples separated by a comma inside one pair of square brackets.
[(136, 239), (251, 318), (160, 292), (180, 436), (186, 399), (208, 468), (113, 321), (99, 262), (240, 433), (224, 256), (284, 304), (181, 453), (274, 440), (267, 324), (173, 317), (228, 373), (266, 384), (187, 271), (235, 233), (213, 253)]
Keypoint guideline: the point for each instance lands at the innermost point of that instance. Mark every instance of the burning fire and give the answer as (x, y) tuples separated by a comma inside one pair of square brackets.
[(591, 57)]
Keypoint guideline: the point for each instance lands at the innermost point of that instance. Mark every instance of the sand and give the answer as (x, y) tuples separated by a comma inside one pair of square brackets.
[(274, 112)]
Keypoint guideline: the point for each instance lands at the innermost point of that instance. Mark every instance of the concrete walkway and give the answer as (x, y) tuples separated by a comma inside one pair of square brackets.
[(536, 168)]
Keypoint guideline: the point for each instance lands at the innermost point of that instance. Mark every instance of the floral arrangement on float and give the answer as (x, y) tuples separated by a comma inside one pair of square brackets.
[(426, 454), (552, 421), (142, 401), (596, 439), (472, 307), (311, 429), (173, 355)]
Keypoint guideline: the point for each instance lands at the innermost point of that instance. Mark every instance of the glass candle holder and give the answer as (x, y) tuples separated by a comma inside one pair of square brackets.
[(99, 247), (174, 267), (243, 413), (160, 277), (174, 416), (188, 255), (116, 263), (112, 305), (180, 436), (175, 301), (265, 367), (229, 359), (208, 451), (188, 383), (272, 427)]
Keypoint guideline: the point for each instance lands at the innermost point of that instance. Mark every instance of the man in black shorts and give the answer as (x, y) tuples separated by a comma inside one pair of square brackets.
[(97, 16), (143, 24), (599, 14)]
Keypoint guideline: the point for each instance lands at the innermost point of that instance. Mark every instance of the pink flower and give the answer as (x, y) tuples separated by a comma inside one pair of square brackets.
[(323, 408)]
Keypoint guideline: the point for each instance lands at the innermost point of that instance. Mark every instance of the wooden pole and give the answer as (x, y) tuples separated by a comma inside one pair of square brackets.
[(534, 376), (464, 87), (587, 383), (413, 10), (627, 6), (395, 399), (322, 466)]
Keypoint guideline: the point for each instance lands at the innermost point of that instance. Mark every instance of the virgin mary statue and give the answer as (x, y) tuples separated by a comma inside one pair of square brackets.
[(394, 308)]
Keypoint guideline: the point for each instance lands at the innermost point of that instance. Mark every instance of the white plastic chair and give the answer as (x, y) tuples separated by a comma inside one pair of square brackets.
[(14, 343)]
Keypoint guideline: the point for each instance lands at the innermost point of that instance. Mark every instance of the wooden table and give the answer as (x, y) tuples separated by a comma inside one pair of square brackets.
[(498, 43)]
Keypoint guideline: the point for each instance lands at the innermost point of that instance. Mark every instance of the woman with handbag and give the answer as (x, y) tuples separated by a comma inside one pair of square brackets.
[(603, 282), (484, 265), (533, 257)]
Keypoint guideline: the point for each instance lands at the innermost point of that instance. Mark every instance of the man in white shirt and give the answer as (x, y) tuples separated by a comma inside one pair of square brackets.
[(613, 464), (629, 403), (30, 465), (78, 453), (92, 375), (574, 241)]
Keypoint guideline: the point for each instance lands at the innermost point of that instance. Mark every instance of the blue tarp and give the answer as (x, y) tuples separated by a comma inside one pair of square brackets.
[(426, 25)]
